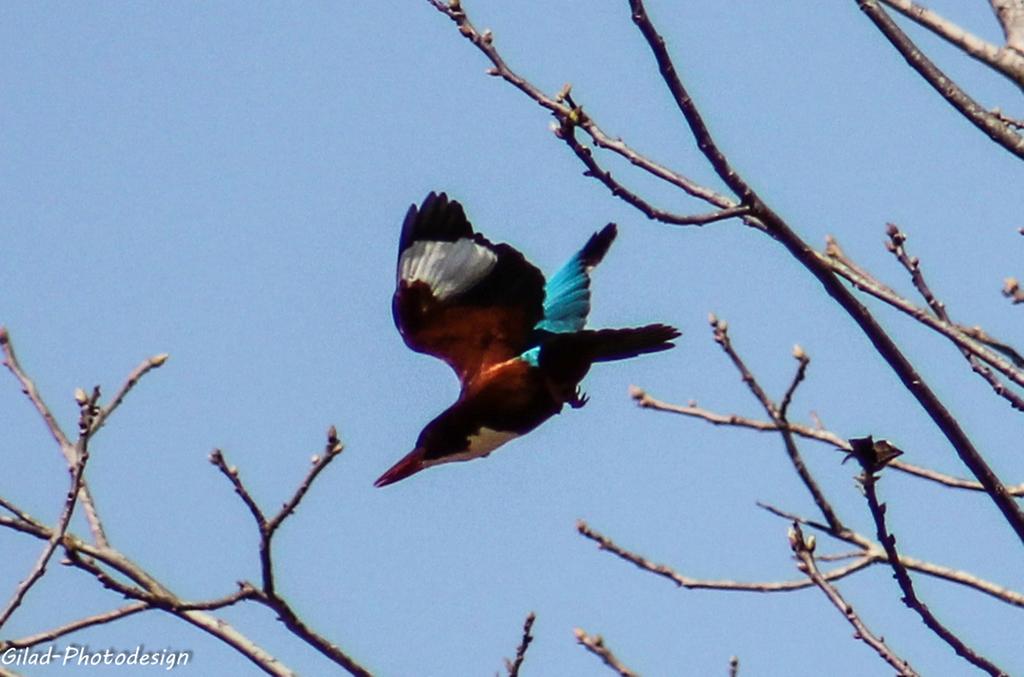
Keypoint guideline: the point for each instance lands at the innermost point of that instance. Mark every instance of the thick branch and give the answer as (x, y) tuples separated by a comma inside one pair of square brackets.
[(975, 113), (1010, 14), (803, 253), (1006, 61)]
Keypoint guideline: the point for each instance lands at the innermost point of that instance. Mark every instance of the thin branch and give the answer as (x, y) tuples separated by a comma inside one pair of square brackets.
[(1001, 59), (267, 594), (646, 401), (513, 665), (568, 134), (66, 448), (74, 626), (720, 331), (484, 41), (967, 339), (268, 527), (896, 245), (877, 553), (801, 373), (133, 378), (29, 388), (868, 481), (88, 409), (605, 543), (595, 645), (803, 549), (975, 113)]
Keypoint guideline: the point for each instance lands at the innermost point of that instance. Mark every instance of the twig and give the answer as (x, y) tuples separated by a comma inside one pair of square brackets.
[(803, 549), (267, 594), (645, 400), (605, 543), (29, 388), (133, 378), (268, 527), (868, 481), (972, 342), (966, 338), (484, 41), (74, 626), (976, 114), (66, 448), (88, 412), (567, 133), (513, 665), (801, 373), (595, 645), (877, 553), (1012, 290), (896, 245), (720, 331)]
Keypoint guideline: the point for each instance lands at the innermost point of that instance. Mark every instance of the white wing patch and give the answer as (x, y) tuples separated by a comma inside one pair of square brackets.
[(448, 268), (480, 444)]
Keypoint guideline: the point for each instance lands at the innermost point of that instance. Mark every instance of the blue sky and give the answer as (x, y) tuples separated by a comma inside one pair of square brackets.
[(225, 183)]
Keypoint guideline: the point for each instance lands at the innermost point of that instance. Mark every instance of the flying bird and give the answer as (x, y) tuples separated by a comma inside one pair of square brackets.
[(518, 345)]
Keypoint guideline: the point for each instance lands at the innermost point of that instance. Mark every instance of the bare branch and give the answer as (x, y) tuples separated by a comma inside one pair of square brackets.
[(802, 360), (1005, 61), (267, 594), (66, 448), (569, 114), (29, 388), (646, 401), (877, 553), (721, 335), (1010, 14), (567, 133), (74, 626), (981, 118), (803, 549), (868, 481), (133, 378), (595, 645), (513, 665), (88, 412), (605, 543), (775, 226), (895, 245)]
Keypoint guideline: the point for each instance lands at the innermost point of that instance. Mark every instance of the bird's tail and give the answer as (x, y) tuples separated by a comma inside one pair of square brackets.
[(567, 357), (605, 345)]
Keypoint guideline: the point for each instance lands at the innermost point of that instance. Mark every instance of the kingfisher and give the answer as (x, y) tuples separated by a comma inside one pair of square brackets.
[(517, 344)]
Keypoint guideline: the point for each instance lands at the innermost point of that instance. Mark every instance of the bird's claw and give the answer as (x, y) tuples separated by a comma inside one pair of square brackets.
[(578, 399)]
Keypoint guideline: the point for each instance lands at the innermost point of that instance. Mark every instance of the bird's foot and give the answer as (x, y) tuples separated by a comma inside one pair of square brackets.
[(578, 399)]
